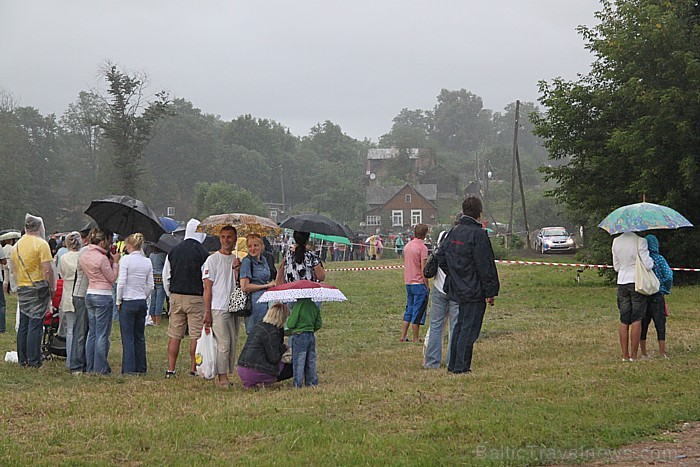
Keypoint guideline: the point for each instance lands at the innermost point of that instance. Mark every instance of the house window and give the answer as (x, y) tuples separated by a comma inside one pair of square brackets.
[(407, 197), (397, 218), (374, 220), (416, 216)]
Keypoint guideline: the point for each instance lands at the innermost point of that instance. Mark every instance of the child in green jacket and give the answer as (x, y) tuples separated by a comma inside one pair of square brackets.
[(304, 320)]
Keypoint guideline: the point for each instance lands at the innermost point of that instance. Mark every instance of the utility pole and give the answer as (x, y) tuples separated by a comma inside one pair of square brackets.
[(509, 234), (516, 164), (284, 207)]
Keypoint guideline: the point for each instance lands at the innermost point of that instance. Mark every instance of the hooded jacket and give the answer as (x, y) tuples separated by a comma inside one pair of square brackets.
[(467, 257), (661, 268)]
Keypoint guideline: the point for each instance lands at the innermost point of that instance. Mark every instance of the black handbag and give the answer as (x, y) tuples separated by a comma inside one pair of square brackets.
[(431, 265)]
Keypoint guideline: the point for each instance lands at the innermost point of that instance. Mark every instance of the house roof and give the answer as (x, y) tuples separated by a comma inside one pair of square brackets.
[(377, 195)]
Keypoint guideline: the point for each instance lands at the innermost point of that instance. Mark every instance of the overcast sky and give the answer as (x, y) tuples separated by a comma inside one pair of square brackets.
[(354, 62)]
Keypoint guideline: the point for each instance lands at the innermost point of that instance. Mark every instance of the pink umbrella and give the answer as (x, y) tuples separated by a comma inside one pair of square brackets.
[(293, 291)]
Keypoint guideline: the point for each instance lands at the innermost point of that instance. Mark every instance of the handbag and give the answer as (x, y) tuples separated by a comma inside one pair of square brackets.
[(645, 281), (431, 265), (239, 303)]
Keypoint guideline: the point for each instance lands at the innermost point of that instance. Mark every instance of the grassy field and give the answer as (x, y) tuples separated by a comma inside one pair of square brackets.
[(548, 386)]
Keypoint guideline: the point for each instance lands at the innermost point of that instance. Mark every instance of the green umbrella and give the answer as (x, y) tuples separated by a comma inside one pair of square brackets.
[(642, 216), (330, 238)]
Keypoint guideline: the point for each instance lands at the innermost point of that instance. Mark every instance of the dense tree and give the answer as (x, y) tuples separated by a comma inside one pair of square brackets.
[(222, 198), (129, 123), (630, 127)]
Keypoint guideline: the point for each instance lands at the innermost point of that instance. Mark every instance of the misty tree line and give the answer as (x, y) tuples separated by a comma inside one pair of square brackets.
[(169, 153)]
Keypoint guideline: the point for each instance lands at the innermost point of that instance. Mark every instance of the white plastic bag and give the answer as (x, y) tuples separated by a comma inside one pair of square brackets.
[(11, 357), (205, 355)]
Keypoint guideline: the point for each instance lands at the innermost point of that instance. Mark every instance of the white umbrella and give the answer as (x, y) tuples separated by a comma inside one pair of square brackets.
[(293, 291)]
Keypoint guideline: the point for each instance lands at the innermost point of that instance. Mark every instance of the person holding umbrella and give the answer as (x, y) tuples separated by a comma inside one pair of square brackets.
[(632, 304), (101, 269), (299, 263), (255, 279)]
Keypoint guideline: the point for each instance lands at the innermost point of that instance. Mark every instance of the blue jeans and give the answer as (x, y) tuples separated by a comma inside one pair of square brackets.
[(3, 307), (99, 311), (115, 312), (259, 312), (304, 358), (77, 361), (157, 300), (471, 316), (29, 335), (132, 323), (69, 319), (440, 308)]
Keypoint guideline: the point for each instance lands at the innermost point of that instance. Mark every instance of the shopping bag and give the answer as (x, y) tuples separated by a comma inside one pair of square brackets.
[(645, 281), (205, 355)]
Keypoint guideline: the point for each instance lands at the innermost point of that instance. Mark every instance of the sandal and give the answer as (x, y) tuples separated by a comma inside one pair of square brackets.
[(404, 339)]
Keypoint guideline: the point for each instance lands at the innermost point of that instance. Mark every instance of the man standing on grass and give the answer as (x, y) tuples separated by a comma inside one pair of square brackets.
[(218, 276), (415, 256), (472, 280), (632, 304), (182, 281), (31, 264)]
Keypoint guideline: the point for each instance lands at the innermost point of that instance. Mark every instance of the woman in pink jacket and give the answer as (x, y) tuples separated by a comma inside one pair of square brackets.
[(101, 269)]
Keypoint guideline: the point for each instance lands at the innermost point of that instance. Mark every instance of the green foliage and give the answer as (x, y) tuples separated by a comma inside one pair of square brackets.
[(129, 123), (629, 127), (223, 198)]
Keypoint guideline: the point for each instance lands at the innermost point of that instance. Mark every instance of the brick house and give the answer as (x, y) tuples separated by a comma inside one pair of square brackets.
[(395, 209)]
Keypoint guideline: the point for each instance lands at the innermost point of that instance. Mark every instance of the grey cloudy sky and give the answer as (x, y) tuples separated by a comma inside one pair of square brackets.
[(354, 62)]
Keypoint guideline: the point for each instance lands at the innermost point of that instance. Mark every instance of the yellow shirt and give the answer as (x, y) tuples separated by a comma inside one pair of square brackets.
[(34, 251)]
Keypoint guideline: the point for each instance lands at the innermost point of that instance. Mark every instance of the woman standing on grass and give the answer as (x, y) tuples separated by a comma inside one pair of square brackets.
[(68, 268), (298, 263), (134, 286), (656, 304), (255, 279), (157, 258), (101, 268)]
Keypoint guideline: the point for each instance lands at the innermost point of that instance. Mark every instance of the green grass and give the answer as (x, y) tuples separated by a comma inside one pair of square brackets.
[(547, 385)]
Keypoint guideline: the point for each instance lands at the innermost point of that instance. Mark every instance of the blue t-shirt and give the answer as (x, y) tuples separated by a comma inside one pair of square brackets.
[(258, 271)]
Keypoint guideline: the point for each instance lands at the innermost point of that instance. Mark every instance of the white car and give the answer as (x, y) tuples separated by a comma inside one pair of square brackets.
[(553, 239)]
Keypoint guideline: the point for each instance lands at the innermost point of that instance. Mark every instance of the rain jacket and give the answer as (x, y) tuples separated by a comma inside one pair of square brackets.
[(661, 268), (467, 256)]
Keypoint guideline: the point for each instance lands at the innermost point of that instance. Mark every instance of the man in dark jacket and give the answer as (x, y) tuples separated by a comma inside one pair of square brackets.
[(472, 280)]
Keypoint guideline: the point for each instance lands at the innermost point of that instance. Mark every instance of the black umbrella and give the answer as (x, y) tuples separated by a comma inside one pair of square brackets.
[(125, 215), (167, 242), (315, 223)]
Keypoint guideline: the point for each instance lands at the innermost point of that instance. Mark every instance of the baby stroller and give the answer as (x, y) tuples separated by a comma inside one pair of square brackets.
[(51, 343)]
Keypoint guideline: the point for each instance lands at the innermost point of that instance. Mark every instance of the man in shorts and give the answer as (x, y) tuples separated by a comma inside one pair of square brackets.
[(182, 281), (415, 256), (632, 305)]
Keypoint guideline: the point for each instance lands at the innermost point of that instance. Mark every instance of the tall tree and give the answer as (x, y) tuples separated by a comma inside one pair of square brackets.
[(222, 198), (630, 126), (129, 123)]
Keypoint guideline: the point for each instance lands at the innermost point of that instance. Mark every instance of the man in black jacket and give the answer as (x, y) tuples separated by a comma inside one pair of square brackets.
[(472, 280)]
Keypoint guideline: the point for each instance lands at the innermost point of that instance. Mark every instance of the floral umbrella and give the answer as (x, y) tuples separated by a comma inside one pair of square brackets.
[(643, 216), (244, 224), (293, 291)]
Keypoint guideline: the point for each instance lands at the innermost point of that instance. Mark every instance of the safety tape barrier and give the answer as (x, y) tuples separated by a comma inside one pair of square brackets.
[(500, 261)]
